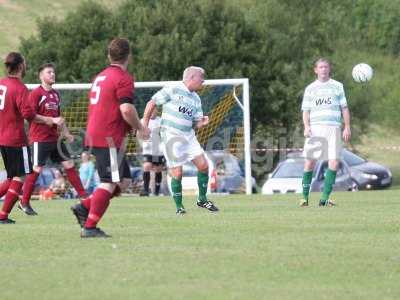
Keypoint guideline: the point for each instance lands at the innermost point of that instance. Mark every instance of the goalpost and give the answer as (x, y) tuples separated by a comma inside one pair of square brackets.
[(225, 101)]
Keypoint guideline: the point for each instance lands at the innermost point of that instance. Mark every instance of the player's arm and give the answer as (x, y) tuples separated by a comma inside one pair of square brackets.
[(28, 113), (148, 111), (346, 120), (130, 115), (199, 118), (66, 133), (306, 108), (306, 123), (345, 114)]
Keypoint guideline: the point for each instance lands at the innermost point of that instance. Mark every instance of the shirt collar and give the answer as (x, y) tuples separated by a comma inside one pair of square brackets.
[(184, 87)]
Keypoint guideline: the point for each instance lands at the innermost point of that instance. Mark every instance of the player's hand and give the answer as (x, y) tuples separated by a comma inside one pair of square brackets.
[(144, 133), (202, 122), (307, 132), (69, 137), (346, 134), (59, 121)]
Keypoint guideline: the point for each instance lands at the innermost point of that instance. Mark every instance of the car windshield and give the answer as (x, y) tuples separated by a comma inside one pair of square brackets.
[(290, 169), (352, 159)]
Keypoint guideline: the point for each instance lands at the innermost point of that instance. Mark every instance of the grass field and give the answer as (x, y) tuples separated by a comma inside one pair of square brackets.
[(256, 248)]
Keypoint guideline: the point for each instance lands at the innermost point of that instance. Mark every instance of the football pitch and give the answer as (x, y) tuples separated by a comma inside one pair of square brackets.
[(257, 247)]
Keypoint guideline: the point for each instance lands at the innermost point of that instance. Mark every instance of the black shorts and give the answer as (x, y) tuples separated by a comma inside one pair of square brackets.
[(111, 165), (41, 151), (154, 159), (17, 161)]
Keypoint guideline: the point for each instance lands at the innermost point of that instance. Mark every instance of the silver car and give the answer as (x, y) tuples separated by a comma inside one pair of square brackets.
[(287, 177)]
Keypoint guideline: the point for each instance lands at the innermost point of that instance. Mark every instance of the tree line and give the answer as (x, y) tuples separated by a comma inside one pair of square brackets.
[(273, 42)]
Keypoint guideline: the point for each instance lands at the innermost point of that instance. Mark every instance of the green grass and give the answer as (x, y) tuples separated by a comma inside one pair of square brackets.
[(256, 248)]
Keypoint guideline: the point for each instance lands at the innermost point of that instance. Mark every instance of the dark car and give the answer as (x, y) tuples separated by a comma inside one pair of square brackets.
[(367, 175)]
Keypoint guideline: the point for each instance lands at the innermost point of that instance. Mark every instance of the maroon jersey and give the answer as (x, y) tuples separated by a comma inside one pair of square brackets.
[(105, 125), (45, 103), (14, 108)]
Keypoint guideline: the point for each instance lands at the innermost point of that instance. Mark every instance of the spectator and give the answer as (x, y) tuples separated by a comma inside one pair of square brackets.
[(58, 184), (87, 173)]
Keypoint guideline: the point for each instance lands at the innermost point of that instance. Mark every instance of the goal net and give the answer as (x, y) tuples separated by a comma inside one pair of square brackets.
[(226, 138)]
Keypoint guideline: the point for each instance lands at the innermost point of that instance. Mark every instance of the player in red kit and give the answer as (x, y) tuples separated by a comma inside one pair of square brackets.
[(111, 116), (14, 108), (45, 101)]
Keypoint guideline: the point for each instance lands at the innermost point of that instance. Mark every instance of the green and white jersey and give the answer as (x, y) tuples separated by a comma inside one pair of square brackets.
[(324, 101), (180, 108)]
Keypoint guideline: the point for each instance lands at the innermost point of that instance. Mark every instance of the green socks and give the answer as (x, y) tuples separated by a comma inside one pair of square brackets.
[(330, 177), (202, 181), (307, 177), (176, 187)]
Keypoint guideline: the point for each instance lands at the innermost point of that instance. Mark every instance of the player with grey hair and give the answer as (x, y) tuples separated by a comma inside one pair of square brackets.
[(181, 111)]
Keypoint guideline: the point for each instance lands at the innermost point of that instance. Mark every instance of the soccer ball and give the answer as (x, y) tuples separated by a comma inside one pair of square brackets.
[(362, 73)]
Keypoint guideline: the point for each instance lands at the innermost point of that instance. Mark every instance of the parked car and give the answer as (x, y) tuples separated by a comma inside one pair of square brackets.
[(225, 174), (287, 177), (365, 174)]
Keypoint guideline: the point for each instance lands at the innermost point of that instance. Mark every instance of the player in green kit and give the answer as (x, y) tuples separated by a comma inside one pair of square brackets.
[(181, 111), (324, 105)]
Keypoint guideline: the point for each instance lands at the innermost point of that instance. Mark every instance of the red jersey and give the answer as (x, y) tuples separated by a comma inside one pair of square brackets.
[(45, 103), (105, 125), (14, 108)]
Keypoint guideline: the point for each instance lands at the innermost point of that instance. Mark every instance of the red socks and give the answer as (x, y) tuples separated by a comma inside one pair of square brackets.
[(11, 198), (100, 200), (4, 187), (29, 185), (73, 177), (86, 202)]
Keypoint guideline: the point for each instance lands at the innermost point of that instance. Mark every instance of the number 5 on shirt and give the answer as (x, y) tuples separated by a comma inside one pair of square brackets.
[(96, 89)]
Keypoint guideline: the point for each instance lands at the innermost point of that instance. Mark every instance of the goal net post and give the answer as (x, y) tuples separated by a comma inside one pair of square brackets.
[(225, 101)]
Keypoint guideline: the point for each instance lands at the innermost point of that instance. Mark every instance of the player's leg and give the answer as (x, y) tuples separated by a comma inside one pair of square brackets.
[(29, 185), (329, 181), (126, 178), (10, 200), (175, 149), (334, 141), (40, 153), (176, 188), (61, 155), (100, 201), (18, 164), (147, 166), (306, 182), (4, 187), (110, 174), (157, 168), (201, 163)]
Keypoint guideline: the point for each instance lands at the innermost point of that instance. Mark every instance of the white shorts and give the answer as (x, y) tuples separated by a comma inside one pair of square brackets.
[(325, 143), (179, 149)]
